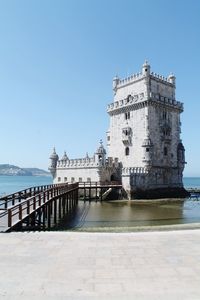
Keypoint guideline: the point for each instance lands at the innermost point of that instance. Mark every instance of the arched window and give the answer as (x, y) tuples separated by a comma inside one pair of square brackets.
[(127, 151)]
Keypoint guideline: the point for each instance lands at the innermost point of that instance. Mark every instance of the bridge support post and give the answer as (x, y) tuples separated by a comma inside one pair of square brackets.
[(59, 203), (55, 211), (9, 217), (49, 215)]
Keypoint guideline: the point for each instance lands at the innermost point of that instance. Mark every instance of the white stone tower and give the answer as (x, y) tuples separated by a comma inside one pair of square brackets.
[(144, 134)]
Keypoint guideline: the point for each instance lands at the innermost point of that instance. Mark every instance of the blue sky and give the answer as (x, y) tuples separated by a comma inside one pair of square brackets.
[(57, 61)]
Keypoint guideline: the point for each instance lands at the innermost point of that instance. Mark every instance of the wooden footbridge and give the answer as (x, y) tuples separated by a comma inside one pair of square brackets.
[(42, 207)]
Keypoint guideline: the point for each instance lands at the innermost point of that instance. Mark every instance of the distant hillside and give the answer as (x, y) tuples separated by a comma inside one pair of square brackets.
[(37, 172), (11, 170)]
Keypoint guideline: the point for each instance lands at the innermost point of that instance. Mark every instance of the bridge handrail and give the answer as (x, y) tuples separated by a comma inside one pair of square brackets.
[(24, 194), (40, 198), (99, 183)]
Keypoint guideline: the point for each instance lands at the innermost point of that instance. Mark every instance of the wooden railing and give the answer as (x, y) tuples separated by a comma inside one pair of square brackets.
[(100, 184), (17, 197), (23, 209), (16, 207), (12, 199)]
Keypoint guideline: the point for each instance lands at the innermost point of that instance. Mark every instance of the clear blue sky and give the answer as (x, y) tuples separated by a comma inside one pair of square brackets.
[(57, 61)]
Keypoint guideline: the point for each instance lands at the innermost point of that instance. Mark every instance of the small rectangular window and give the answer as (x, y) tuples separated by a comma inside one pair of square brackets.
[(59, 179), (147, 149), (88, 179), (80, 179), (72, 179), (165, 151), (108, 138), (65, 179)]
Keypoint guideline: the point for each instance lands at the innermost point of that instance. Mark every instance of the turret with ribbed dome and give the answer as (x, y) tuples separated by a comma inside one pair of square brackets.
[(54, 159), (65, 157), (146, 68), (100, 154)]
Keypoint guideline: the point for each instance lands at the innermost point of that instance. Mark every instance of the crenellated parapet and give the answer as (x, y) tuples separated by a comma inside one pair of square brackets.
[(121, 83), (170, 80), (130, 79), (133, 103), (78, 162)]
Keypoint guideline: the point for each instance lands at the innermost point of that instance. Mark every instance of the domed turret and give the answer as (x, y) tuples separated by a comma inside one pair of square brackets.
[(54, 155), (115, 83), (65, 157), (100, 154), (180, 154), (171, 78), (146, 68), (100, 149), (54, 159), (147, 145)]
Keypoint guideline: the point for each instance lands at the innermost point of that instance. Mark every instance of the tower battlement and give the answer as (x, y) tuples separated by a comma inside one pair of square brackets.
[(121, 83)]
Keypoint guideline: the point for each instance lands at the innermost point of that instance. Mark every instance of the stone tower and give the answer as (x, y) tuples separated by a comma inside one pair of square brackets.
[(53, 162), (144, 134)]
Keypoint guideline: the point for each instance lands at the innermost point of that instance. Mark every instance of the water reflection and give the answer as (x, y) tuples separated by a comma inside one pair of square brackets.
[(129, 214)]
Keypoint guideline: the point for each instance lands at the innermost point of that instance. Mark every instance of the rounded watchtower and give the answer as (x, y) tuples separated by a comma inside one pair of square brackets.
[(100, 154), (53, 162), (148, 149), (115, 83), (171, 78), (146, 68)]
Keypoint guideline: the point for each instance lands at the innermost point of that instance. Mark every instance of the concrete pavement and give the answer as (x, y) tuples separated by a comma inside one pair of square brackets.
[(64, 265)]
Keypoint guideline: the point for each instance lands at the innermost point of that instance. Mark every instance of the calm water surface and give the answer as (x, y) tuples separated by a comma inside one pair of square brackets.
[(115, 213), (11, 184), (128, 214), (112, 214)]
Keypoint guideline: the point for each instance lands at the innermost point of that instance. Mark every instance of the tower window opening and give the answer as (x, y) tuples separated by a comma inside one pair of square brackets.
[(127, 115), (147, 149), (164, 115), (165, 151), (127, 151)]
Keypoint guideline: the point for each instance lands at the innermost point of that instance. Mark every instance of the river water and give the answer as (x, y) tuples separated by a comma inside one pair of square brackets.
[(112, 214)]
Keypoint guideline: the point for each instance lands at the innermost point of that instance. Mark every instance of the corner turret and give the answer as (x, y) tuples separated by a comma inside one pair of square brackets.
[(53, 164), (65, 157), (115, 83), (171, 78), (181, 155), (146, 68), (148, 151), (100, 154)]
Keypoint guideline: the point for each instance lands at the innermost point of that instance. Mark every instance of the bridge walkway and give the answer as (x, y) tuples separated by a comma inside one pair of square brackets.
[(42, 207)]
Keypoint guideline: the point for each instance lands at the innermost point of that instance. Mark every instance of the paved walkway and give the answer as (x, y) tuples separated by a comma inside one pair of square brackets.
[(138, 266)]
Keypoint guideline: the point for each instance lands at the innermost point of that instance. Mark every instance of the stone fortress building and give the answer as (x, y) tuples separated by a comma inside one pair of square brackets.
[(145, 151)]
